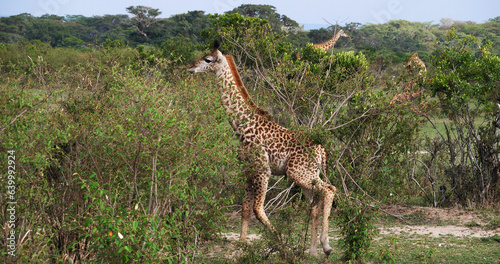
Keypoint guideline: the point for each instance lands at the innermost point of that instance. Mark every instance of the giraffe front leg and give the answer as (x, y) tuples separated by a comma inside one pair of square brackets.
[(246, 211)]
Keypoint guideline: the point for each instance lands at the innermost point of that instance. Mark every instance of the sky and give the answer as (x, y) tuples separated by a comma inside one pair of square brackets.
[(311, 13)]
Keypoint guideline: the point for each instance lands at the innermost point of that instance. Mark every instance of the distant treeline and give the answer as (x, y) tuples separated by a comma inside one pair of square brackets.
[(392, 41)]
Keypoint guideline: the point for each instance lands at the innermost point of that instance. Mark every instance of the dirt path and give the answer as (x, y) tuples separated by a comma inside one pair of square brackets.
[(437, 222), (433, 222), (429, 230), (430, 214), (437, 231)]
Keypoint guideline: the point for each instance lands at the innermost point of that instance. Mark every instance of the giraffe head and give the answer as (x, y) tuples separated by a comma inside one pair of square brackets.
[(210, 62), (416, 64), (343, 34)]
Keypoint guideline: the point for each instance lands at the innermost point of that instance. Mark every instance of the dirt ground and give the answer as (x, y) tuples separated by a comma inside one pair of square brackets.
[(429, 221), (443, 234), (437, 222)]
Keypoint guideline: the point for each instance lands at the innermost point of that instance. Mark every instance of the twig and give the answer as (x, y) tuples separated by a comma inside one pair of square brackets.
[(13, 120)]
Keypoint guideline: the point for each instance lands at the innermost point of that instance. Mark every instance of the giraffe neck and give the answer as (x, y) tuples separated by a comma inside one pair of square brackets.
[(331, 42), (235, 98)]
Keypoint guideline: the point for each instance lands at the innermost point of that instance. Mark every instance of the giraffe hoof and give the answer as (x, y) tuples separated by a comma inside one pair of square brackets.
[(327, 252)]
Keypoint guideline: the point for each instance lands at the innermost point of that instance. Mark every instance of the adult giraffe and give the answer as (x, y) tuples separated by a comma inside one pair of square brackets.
[(269, 149)]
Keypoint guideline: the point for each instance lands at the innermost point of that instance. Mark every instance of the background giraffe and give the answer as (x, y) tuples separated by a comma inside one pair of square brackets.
[(414, 65), (331, 42), (269, 149)]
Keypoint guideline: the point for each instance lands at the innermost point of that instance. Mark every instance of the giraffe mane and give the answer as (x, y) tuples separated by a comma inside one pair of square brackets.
[(243, 90)]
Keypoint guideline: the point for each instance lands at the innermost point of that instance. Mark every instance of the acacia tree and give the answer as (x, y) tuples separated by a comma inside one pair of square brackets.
[(144, 17)]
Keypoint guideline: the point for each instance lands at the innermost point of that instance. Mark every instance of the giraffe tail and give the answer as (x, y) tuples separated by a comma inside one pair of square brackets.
[(325, 166)]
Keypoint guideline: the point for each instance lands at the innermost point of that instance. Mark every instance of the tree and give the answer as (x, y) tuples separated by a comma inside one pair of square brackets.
[(144, 17), (267, 12), (13, 27), (189, 25), (72, 42), (246, 31), (319, 35), (467, 82), (446, 23)]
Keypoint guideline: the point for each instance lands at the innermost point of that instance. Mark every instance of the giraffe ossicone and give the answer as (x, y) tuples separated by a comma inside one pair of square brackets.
[(266, 149)]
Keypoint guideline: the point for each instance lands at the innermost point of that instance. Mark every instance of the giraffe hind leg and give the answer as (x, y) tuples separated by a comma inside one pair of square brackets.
[(260, 187), (328, 195), (315, 213)]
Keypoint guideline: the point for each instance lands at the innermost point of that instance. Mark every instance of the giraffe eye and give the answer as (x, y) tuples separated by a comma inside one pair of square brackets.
[(207, 60)]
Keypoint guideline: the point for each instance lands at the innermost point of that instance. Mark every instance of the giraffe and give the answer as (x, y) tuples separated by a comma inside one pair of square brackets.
[(415, 64), (269, 149), (331, 42)]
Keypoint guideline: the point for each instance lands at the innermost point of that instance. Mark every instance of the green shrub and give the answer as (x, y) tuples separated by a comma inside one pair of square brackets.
[(356, 227), (115, 164)]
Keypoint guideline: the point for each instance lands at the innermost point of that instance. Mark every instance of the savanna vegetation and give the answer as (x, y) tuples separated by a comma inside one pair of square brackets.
[(122, 156)]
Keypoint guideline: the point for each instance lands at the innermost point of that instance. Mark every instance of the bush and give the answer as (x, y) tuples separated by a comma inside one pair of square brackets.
[(116, 163), (288, 244), (357, 230)]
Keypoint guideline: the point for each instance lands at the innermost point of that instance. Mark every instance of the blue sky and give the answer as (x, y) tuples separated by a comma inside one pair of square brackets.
[(309, 12)]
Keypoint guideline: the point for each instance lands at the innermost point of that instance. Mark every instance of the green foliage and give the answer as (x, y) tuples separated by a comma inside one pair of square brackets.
[(392, 41), (179, 49), (335, 68), (113, 44), (386, 253), (125, 170), (125, 157), (287, 244), (319, 35), (374, 130), (466, 82), (144, 17), (189, 25), (234, 28), (312, 55), (72, 42), (348, 64), (357, 229), (397, 35), (268, 13), (462, 73), (494, 238)]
